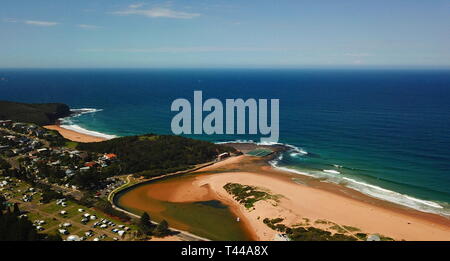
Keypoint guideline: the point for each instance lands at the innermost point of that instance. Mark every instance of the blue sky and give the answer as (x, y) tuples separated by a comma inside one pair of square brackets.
[(228, 33)]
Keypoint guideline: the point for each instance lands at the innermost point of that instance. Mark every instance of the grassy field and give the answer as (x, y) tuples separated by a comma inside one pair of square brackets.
[(50, 214)]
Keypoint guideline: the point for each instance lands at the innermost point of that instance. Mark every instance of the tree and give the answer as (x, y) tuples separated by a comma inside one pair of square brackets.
[(145, 225), (49, 195), (145, 219), (162, 229), (2, 203), (4, 164), (53, 237), (16, 210)]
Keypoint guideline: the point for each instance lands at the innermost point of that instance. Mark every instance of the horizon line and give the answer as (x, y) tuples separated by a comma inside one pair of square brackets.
[(343, 67)]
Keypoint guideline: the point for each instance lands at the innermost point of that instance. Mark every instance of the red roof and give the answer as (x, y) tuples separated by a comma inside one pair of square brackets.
[(111, 155), (90, 164)]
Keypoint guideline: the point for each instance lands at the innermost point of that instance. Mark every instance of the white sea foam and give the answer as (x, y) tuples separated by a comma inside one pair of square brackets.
[(235, 141), (85, 110), (82, 130), (274, 164), (370, 190), (68, 124), (334, 176), (297, 149), (81, 111), (293, 148), (332, 171)]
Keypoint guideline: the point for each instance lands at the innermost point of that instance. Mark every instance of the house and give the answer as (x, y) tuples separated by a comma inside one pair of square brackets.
[(90, 164), (109, 156)]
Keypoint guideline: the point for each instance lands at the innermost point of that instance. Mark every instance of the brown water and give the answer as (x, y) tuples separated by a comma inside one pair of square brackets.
[(207, 217)]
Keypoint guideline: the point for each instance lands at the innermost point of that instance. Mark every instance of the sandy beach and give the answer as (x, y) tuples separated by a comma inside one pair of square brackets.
[(73, 135), (314, 201), (301, 198)]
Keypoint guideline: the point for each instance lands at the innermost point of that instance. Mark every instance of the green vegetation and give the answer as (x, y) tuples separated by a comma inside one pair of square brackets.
[(71, 144), (145, 225), (305, 233), (248, 195), (274, 224), (16, 228), (338, 228), (106, 207), (385, 238), (40, 114), (147, 228), (316, 234), (322, 221), (152, 155), (351, 229), (361, 236), (162, 229), (4, 165), (49, 195)]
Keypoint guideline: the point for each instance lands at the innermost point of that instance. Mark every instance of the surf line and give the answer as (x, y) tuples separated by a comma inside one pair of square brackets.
[(235, 116)]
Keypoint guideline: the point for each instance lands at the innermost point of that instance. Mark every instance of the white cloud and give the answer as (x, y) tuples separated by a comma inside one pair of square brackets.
[(157, 12), (134, 6), (41, 23), (89, 26)]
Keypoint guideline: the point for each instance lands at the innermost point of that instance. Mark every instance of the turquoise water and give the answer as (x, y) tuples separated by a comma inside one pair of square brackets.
[(382, 132)]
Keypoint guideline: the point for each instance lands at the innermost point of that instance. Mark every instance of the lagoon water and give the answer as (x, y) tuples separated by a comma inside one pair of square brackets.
[(382, 132), (208, 218)]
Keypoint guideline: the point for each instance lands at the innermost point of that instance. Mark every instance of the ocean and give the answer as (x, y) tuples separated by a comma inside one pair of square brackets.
[(382, 132)]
